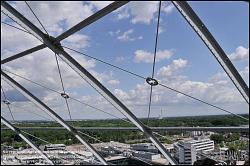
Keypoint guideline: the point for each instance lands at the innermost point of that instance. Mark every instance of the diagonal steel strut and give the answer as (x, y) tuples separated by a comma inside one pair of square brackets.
[(27, 140), (199, 27), (44, 107), (92, 81), (103, 12), (22, 54)]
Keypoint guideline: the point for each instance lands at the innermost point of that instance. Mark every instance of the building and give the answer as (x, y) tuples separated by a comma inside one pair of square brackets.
[(197, 133), (146, 147), (169, 147), (184, 154), (31, 159), (110, 150), (50, 147), (186, 151), (224, 153), (146, 155)]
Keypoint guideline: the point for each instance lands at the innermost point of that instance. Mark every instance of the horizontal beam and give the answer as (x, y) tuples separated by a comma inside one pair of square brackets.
[(201, 30), (214, 129)]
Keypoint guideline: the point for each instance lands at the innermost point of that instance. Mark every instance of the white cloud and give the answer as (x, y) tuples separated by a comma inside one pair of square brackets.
[(223, 79), (241, 53), (167, 72), (41, 67), (121, 94), (77, 41), (123, 15), (54, 15), (179, 63), (143, 11), (125, 36), (207, 91), (245, 74), (111, 33), (246, 71), (114, 82), (167, 7), (15, 41), (100, 4), (148, 57)]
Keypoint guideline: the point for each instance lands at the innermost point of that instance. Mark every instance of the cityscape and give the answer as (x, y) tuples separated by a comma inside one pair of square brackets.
[(124, 83), (131, 147)]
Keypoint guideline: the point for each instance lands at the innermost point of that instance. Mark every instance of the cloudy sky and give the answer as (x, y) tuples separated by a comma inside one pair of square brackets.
[(126, 38)]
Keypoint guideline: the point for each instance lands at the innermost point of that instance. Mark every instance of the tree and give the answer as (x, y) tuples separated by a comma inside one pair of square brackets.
[(217, 138)]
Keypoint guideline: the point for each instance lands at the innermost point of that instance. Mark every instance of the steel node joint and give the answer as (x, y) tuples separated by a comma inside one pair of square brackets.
[(147, 130), (53, 42), (18, 130), (6, 102), (152, 81)]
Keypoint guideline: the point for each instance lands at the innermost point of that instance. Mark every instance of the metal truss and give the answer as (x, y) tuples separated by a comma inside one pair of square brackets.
[(98, 15), (50, 43), (52, 114), (54, 44), (193, 20), (27, 140)]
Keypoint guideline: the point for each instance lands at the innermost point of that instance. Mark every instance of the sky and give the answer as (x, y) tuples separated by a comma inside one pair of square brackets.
[(126, 38)]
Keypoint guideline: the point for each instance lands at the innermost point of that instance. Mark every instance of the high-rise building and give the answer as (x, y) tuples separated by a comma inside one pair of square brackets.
[(185, 151)]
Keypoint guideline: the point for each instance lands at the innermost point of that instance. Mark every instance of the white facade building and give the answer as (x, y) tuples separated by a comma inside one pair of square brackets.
[(186, 151), (50, 147)]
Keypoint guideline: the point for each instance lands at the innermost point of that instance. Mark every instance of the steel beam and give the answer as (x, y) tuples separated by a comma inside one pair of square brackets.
[(94, 83), (22, 54), (199, 27), (27, 140), (91, 19), (52, 114)]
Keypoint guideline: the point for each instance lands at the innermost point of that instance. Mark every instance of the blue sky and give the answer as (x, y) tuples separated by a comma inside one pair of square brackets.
[(126, 38)]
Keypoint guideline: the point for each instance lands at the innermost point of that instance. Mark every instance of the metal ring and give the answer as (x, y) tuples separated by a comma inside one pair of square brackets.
[(151, 81), (64, 95), (6, 102)]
